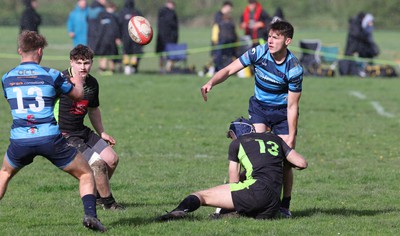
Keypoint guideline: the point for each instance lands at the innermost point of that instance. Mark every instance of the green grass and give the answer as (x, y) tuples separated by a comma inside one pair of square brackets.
[(171, 143)]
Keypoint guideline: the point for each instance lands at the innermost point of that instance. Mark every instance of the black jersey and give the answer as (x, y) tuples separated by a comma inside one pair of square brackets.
[(262, 156), (71, 114)]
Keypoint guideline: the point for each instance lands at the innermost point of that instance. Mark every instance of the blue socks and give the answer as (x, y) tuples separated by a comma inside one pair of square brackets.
[(89, 205)]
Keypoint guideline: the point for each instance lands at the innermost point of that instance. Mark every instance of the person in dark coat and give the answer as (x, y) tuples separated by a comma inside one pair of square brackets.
[(108, 40), (30, 19), (359, 42), (367, 46), (223, 34), (167, 28), (94, 10), (355, 34), (130, 49)]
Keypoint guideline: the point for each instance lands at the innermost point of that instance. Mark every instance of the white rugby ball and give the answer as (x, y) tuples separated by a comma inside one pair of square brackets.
[(140, 30)]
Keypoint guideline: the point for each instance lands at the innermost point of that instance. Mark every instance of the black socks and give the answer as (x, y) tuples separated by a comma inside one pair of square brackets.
[(189, 204), (286, 202)]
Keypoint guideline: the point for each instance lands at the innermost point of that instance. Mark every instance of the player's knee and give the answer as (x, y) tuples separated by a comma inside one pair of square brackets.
[(110, 157), (5, 175), (99, 167), (114, 160)]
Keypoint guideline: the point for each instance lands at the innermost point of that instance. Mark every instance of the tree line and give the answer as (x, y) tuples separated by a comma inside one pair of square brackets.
[(330, 14)]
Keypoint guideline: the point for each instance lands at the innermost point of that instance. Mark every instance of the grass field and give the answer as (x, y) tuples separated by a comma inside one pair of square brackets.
[(171, 143)]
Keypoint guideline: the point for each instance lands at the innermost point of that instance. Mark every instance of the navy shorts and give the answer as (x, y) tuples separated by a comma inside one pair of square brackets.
[(256, 200), (57, 150), (87, 142), (273, 117)]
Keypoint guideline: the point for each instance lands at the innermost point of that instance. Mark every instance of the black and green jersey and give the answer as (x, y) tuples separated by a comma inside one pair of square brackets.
[(262, 156), (70, 114)]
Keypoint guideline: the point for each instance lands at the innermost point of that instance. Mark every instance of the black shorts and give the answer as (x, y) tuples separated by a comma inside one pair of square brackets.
[(255, 200), (107, 50), (87, 142)]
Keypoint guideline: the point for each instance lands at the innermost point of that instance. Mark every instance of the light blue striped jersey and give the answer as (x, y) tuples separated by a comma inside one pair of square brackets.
[(31, 91), (273, 81)]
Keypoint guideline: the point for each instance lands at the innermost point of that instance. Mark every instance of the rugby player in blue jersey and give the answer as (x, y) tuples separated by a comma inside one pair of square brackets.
[(278, 84), (261, 156), (31, 91)]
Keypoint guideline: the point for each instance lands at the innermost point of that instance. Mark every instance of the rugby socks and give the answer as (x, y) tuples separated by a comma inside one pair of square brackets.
[(89, 205), (189, 204), (286, 202)]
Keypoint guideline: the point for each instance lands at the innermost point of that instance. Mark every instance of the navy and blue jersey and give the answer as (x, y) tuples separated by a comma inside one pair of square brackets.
[(272, 80), (31, 91)]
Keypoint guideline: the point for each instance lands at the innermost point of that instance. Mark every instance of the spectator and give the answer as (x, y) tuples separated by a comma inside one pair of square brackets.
[(225, 9), (130, 49), (167, 29), (368, 47), (108, 40), (223, 34), (359, 43), (30, 19), (278, 15), (93, 22), (254, 21), (77, 25)]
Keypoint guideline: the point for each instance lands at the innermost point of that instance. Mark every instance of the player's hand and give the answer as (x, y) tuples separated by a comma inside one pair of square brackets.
[(291, 143), (109, 139), (205, 89), (78, 78)]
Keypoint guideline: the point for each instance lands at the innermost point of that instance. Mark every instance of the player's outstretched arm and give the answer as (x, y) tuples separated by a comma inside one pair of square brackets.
[(297, 160), (221, 76)]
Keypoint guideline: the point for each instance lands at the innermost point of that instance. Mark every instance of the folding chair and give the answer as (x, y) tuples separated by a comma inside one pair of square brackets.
[(175, 53), (310, 49), (329, 55)]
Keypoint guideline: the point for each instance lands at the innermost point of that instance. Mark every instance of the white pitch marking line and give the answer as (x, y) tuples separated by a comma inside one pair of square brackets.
[(381, 111), (376, 105), (358, 94)]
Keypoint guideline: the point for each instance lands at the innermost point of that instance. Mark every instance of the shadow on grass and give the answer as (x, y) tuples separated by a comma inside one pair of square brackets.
[(146, 220), (341, 212), (166, 204)]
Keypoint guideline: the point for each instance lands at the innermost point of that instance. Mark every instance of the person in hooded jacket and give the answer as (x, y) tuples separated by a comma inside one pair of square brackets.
[(30, 19), (77, 26), (167, 28), (109, 40), (130, 49), (93, 22)]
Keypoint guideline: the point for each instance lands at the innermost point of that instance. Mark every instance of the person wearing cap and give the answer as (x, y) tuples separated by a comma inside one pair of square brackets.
[(261, 155)]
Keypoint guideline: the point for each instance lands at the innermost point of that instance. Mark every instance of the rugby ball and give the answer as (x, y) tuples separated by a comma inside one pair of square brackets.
[(140, 30)]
